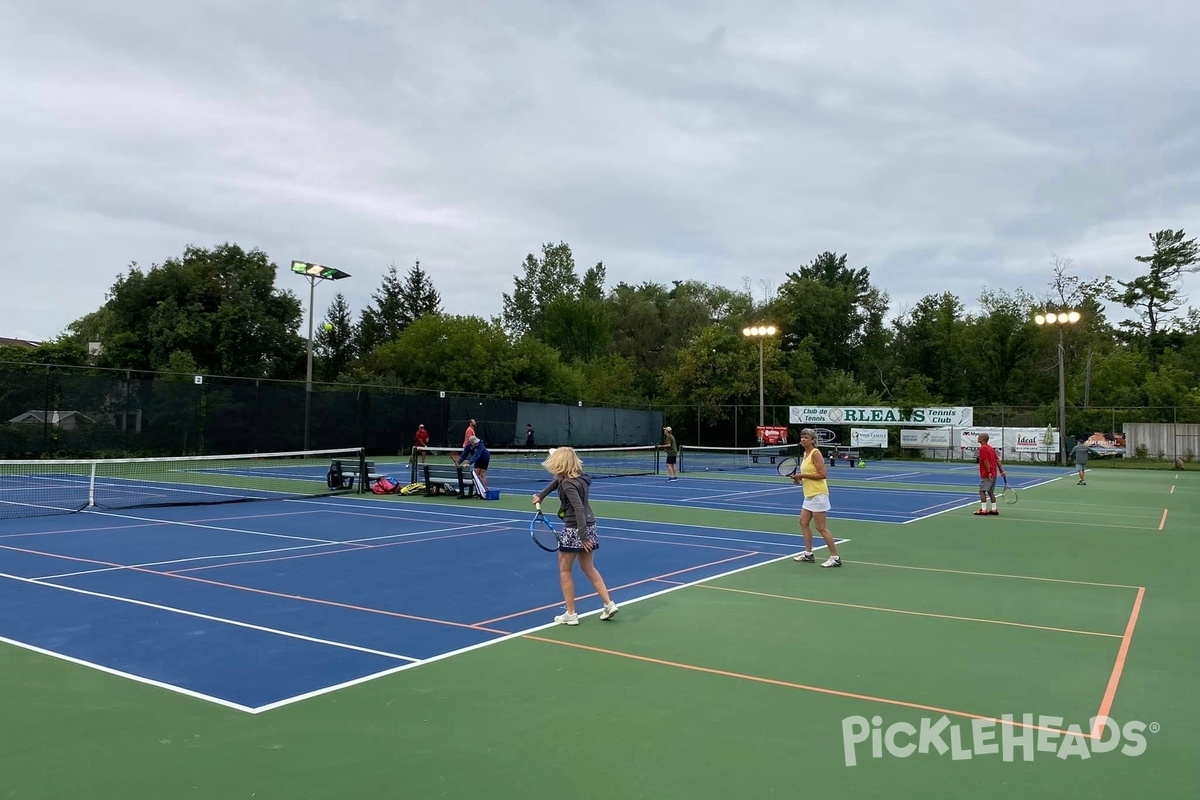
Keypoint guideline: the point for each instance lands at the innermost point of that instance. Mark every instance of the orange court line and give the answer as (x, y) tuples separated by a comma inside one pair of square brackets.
[(1162, 523), (802, 686), (996, 575), (622, 586), (912, 613), (1110, 692)]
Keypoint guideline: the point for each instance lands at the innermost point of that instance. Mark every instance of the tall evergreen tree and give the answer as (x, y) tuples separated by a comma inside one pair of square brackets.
[(335, 347), (546, 279), (383, 319), (419, 297), (1159, 292)]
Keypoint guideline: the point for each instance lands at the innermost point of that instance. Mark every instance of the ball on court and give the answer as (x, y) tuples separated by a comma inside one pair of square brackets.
[(328, 326)]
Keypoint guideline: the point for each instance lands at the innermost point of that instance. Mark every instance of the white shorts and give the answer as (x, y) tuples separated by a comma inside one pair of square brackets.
[(819, 502)]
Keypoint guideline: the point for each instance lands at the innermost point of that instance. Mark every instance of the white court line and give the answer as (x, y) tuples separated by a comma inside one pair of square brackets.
[(128, 675), (719, 495), (791, 545), (186, 524), (517, 635), (359, 542), (210, 618)]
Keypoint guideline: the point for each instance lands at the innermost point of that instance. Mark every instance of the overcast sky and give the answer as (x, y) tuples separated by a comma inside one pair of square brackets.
[(945, 146)]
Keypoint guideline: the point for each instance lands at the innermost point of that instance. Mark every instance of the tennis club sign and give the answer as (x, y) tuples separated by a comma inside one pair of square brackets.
[(880, 415)]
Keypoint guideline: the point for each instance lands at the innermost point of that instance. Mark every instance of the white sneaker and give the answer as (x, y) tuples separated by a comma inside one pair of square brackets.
[(567, 619), (804, 558), (609, 611), (834, 561)]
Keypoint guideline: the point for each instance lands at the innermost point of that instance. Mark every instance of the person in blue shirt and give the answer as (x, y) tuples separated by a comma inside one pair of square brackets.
[(475, 454)]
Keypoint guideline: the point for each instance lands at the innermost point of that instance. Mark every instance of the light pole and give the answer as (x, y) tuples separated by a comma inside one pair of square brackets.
[(1061, 319), (314, 273), (759, 332)]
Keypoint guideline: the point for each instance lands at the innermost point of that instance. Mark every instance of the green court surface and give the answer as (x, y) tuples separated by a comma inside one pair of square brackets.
[(1076, 602)]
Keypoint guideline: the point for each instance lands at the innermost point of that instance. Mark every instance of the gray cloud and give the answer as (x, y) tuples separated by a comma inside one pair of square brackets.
[(948, 148)]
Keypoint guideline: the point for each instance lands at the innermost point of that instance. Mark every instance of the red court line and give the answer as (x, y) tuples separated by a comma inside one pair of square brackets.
[(622, 586), (803, 687), (1110, 692), (81, 530), (1162, 523), (253, 590)]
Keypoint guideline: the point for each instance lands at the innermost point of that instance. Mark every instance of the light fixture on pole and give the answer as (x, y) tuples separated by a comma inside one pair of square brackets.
[(759, 332), (1061, 319), (314, 273)]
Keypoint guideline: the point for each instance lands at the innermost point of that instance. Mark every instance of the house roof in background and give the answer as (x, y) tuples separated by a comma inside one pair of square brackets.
[(7, 342)]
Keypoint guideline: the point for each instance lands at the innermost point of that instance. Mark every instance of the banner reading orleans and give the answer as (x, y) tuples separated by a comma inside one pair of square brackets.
[(880, 415)]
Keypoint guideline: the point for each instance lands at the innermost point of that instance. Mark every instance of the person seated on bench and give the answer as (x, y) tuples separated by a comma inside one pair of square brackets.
[(476, 455)]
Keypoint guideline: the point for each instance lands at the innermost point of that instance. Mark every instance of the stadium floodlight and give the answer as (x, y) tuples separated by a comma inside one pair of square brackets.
[(1061, 319), (314, 273), (760, 332)]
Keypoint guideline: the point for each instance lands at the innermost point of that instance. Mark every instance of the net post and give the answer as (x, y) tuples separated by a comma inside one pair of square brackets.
[(363, 478), (92, 486)]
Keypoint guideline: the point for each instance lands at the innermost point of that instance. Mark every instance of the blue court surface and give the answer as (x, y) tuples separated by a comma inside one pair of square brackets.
[(856, 494), (260, 605)]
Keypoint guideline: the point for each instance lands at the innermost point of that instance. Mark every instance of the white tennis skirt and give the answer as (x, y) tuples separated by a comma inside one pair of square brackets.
[(818, 502)]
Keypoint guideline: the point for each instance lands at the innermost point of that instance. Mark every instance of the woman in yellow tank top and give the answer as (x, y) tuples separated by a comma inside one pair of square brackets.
[(816, 500)]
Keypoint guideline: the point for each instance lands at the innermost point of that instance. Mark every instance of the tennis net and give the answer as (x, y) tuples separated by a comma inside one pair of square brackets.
[(514, 466), (721, 459), (31, 488)]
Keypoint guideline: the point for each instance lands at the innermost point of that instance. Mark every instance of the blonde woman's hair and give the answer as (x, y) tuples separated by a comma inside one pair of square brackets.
[(563, 462)]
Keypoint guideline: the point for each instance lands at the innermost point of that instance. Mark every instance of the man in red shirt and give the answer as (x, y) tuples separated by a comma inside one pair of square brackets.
[(421, 441), (989, 468), (469, 432)]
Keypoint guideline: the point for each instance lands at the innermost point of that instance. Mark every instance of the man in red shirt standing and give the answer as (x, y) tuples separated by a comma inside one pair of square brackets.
[(420, 442), (989, 468)]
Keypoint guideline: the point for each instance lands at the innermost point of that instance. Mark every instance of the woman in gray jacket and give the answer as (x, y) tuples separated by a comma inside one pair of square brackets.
[(579, 530)]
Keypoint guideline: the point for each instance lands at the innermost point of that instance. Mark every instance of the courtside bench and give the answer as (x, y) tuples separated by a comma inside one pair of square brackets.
[(447, 475), (343, 472)]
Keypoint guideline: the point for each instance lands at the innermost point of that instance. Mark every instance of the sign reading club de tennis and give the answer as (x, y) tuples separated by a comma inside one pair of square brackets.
[(880, 415)]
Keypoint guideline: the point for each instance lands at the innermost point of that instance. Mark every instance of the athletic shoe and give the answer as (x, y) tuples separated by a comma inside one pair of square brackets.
[(567, 619), (981, 513), (609, 611), (995, 512), (805, 558), (834, 561)]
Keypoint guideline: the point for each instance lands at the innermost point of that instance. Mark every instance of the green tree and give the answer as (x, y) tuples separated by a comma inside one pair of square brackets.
[(419, 297), (335, 347), (577, 327), (928, 343), (383, 318), (718, 369), (999, 347), (1158, 292), (220, 306), (545, 280), (471, 355), (838, 307)]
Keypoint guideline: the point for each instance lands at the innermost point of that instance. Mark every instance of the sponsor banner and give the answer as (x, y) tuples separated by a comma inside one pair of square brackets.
[(1032, 441), (881, 415), (1017, 440), (869, 437), (772, 434), (929, 437)]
